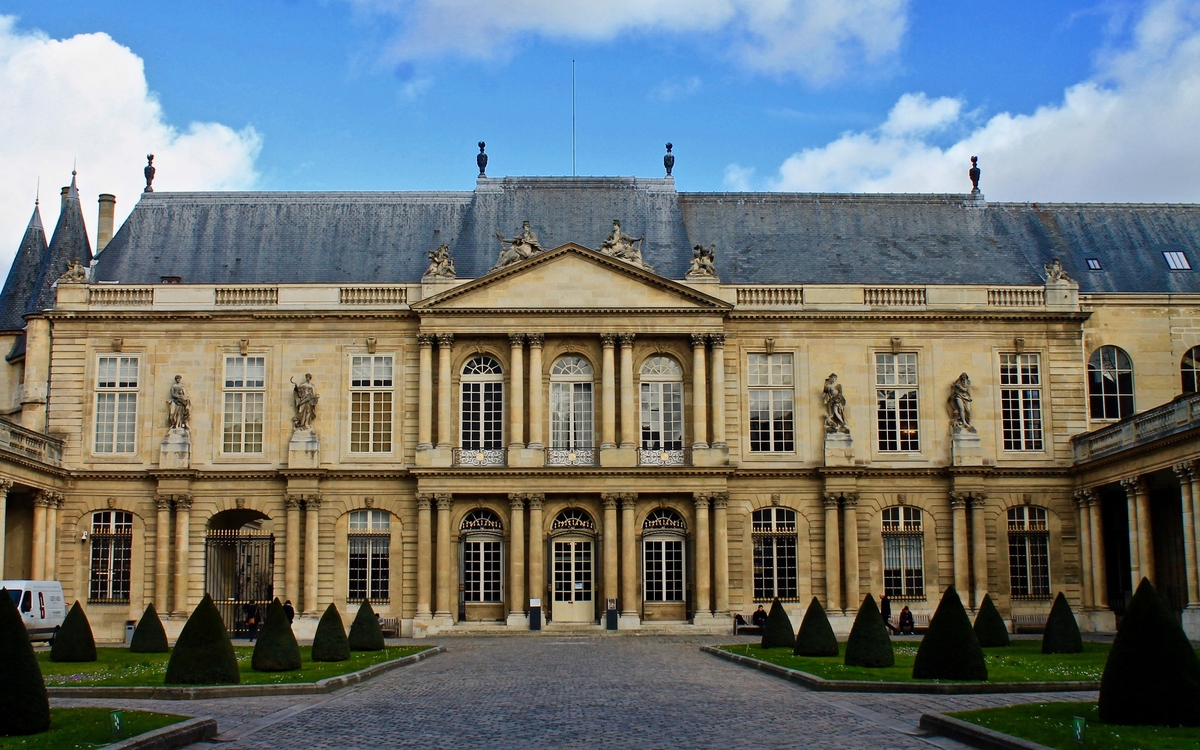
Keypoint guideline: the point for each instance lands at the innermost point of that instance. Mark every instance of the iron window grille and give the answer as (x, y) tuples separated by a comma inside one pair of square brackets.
[(903, 553), (369, 540), (112, 555), (775, 572), (1028, 553)]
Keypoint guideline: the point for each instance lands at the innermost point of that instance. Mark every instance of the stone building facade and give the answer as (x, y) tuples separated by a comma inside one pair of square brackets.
[(341, 397)]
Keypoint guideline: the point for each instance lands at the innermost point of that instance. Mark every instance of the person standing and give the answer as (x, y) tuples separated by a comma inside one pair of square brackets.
[(885, 609), (252, 618), (289, 610)]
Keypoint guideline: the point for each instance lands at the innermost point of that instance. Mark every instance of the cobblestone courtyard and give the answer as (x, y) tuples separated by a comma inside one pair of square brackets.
[(593, 691)]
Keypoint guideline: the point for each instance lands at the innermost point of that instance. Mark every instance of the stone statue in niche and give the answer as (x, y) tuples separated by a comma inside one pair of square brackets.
[(623, 247), (835, 406), (441, 265), (305, 398), (524, 245), (179, 406), (1055, 272), (960, 404), (76, 273), (703, 262)]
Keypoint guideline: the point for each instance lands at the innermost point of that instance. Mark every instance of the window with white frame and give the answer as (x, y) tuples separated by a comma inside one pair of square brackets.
[(482, 535), (116, 404), (112, 554), (774, 533), (896, 393), (371, 404), (1028, 552), (1021, 401), (903, 553), (369, 538), (1189, 368), (571, 403), (245, 390), (662, 404), (1110, 383), (482, 404), (662, 555), (772, 392)]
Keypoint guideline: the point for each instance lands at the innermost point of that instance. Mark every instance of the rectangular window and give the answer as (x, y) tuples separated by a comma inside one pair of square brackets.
[(371, 404), (664, 570), (245, 390), (772, 391), (112, 547), (571, 415), (1093, 264), (1021, 402), (116, 404), (896, 383), (482, 415), (903, 553), (481, 572), (369, 540), (662, 416), (1028, 553), (1177, 261)]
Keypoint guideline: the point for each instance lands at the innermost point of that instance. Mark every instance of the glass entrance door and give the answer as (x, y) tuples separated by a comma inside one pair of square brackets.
[(573, 597)]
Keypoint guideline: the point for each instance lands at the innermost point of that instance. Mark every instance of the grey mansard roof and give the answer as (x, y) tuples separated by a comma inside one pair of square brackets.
[(761, 238)]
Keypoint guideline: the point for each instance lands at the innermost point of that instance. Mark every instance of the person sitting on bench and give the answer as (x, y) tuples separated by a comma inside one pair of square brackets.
[(759, 618), (906, 621)]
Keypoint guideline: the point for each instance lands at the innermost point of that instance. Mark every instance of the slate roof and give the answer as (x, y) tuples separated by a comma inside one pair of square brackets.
[(23, 275), (69, 243), (760, 237)]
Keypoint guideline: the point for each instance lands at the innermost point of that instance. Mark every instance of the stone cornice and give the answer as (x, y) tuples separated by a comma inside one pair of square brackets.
[(910, 315)]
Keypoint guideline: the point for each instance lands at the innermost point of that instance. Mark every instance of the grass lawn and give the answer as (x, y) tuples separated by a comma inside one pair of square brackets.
[(119, 666), (1023, 661), (1050, 725), (86, 728)]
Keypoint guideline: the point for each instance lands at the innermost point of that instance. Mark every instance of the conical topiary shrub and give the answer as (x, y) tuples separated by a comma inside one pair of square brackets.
[(203, 655), (276, 649), (74, 641), (989, 625), (149, 636), (365, 634), (816, 636), (869, 644), (950, 650), (1152, 675), (1061, 635), (777, 633), (24, 706), (330, 642)]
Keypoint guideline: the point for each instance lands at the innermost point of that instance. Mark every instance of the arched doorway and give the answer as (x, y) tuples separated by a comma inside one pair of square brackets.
[(664, 537), (572, 548), (239, 565), (481, 567)]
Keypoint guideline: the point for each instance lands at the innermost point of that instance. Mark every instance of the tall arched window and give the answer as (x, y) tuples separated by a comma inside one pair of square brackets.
[(112, 554), (903, 553), (482, 412), (662, 411), (1110, 383), (1028, 552), (369, 538), (571, 430), (1190, 370), (482, 536), (774, 531), (662, 554)]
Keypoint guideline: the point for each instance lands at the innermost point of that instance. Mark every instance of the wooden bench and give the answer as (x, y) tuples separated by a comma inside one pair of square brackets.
[(1029, 623), (741, 627), (390, 627), (920, 623)]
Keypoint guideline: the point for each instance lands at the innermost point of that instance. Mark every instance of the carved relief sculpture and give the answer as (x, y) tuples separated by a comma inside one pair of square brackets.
[(835, 406), (525, 245), (960, 404), (306, 399), (76, 273), (703, 262), (179, 406), (441, 265), (1055, 272), (623, 247)]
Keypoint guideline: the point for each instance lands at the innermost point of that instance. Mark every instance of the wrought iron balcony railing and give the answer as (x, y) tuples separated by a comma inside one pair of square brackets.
[(570, 456), (479, 457)]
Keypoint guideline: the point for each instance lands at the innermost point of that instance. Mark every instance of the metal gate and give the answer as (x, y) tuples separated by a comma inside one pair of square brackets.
[(239, 570)]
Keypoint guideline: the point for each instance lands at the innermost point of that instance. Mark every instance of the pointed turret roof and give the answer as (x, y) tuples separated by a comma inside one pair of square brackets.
[(23, 274), (69, 243)]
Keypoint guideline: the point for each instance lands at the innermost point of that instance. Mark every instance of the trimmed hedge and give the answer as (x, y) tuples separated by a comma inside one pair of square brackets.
[(816, 636), (1062, 632), (950, 650), (365, 633), (24, 705), (1152, 675), (74, 641), (149, 637), (330, 643), (203, 655), (869, 644), (777, 633), (989, 625), (276, 649)]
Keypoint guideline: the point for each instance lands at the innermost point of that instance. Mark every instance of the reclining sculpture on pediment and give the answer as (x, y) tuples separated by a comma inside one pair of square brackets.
[(525, 245), (623, 247), (441, 265)]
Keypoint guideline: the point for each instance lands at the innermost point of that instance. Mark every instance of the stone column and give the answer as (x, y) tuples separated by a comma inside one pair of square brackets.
[(699, 393), (629, 566), (183, 533), (516, 559), (850, 546), (1085, 549), (537, 549), (608, 394), (1184, 472), (312, 542), (717, 342), (833, 555), (444, 585), (1099, 564), (611, 587), (5, 486), (516, 398), (720, 501), (1141, 496), (979, 561), (445, 438), (703, 603), (56, 499), (1135, 555), (291, 550), (629, 417), (425, 393), (536, 442), (1196, 512), (962, 573), (41, 502), (424, 556), (162, 554)]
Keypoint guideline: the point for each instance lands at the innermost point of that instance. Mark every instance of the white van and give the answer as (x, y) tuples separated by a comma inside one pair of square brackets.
[(41, 606)]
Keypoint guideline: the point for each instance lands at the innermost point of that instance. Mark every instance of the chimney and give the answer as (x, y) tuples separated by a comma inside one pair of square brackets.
[(63, 201), (104, 227)]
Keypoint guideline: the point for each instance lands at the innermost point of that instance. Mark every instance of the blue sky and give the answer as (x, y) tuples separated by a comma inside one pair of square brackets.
[(1060, 99)]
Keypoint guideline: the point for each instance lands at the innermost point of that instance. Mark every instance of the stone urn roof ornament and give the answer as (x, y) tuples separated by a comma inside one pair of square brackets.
[(974, 174), (149, 172), (481, 160), (669, 160)]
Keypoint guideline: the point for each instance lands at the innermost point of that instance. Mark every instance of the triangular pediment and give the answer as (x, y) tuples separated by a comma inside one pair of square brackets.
[(571, 276)]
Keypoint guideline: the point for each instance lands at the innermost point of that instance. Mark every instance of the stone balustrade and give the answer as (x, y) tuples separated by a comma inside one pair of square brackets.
[(30, 444), (1177, 416)]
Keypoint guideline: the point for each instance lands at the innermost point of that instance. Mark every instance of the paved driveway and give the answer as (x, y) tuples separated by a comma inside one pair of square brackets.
[(594, 692)]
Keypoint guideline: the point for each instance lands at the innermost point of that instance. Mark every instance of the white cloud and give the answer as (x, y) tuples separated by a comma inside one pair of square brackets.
[(816, 39), (85, 100), (1127, 134), (738, 177), (674, 89)]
